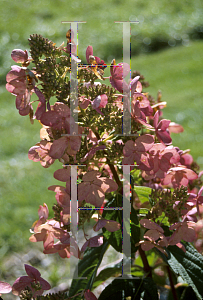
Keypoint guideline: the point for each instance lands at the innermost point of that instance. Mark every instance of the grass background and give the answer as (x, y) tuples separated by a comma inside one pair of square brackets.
[(167, 49)]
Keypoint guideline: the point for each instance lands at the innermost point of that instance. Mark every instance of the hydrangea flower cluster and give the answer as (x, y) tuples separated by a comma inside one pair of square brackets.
[(175, 199)]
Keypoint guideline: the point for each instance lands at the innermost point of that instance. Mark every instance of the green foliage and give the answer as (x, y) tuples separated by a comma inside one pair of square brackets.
[(87, 267), (115, 238), (58, 296), (143, 193), (189, 265), (106, 273), (188, 294), (134, 287), (183, 293)]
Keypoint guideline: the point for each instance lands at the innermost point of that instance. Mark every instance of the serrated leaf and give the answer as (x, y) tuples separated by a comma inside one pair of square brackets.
[(143, 193), (87, 267), (188, 294), (189, 265)]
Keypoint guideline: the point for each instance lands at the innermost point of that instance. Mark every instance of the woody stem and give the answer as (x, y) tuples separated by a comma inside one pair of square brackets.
[(147, 267), (171, 283)]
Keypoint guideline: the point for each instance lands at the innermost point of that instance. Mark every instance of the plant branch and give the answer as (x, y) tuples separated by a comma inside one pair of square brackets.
[(147, 267), (111, 166), (171, 283)]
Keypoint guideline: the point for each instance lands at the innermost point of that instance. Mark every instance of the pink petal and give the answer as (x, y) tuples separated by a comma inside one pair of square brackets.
[(20, 284), (191, 175), (144, 143), (112, 225), (133, 84), (89, 295), (25, 111), (175, 238), (128, 160), (128, 148), (188, 234), (152, 234), (151, 225), (96, 196), (19, 55), (143, 101), (164, 137), (95, 241), (104, 100), (121, 70), (108, 185), (32, 272), (144, 161), (91, 175), (83, 190), (147, 246), (10, 88), (181, 246), (38, 237), (41, 108), (96, 102), (16, 74), (139, 87), (167, 179), (163, 124), (49, 118), (62, 109), (75, 142), (5, 287), (63, 174), (200, 193), (119, 84), (43, 211), (58, 147), (156, 119), (186, 159), (45, 285), (85, 103), (40, 95), (175, 128), (89, 51), (32, 154)]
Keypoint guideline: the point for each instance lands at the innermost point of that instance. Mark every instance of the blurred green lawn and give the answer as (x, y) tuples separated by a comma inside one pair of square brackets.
[(176, 71)]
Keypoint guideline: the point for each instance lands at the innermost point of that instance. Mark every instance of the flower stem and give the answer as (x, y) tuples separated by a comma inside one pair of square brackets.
[(147, 267), (111, 166)]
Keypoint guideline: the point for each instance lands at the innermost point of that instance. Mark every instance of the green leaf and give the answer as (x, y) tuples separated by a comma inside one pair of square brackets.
[(119, 289), (150, 289), (115, 238), (143, 211), (189, 265), (105, 274), (143, 193), (87, 267), (188, 294)]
